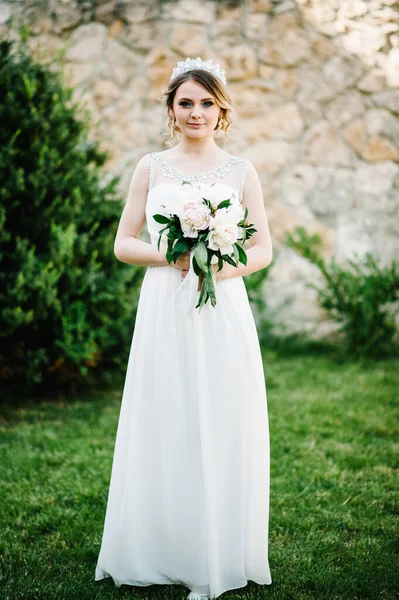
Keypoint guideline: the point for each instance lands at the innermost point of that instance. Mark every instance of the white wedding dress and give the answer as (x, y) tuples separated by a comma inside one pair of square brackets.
[(188, 500)]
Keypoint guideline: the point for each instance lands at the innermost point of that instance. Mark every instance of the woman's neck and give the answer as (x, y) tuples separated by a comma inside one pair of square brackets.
[(198, 148)]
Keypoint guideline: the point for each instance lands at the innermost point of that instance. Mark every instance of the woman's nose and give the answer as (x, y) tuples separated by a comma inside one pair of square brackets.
[(195, 112)]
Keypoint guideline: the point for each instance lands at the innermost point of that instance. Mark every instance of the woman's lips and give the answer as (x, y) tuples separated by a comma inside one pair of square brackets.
[(195, 125)]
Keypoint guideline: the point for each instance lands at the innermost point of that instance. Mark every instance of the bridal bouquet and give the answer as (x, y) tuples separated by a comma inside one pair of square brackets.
[(210, 220)]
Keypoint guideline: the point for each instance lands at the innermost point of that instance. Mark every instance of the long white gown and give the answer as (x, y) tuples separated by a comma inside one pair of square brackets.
[(188, 500)]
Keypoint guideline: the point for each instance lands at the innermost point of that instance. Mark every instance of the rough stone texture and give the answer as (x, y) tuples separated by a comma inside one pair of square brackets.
[(322, 143), (240, 62), (387, 99), (188, 39), (86, 43), (286, 43), (282, 123), (345, 107), (315, 88), (375, 136)]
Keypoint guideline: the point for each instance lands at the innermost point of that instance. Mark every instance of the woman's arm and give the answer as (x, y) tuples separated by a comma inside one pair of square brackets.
[(260, 252), (127, 247)]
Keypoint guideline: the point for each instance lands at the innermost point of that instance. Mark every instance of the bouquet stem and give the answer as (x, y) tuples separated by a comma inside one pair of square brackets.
[(208, 288)]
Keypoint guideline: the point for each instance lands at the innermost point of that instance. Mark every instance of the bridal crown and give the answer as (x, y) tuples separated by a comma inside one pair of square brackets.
[(197, 63)]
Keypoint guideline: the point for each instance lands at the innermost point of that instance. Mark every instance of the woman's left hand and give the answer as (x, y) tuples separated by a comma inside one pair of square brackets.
[(224, 273), (219, 275)]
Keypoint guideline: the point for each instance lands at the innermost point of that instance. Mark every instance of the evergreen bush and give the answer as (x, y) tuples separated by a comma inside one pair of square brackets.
[(361, 295), (67, 304)]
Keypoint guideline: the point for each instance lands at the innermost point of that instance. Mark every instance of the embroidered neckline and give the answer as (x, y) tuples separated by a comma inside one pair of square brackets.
[(221, 170)]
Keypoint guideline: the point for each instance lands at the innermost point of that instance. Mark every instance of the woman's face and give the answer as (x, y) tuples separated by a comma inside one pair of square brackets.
[(193, 104)]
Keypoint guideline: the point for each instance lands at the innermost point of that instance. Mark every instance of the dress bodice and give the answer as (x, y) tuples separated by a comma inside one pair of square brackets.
[(164, 178)]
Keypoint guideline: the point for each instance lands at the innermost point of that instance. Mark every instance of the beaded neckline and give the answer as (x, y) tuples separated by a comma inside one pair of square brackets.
[(220, 171)]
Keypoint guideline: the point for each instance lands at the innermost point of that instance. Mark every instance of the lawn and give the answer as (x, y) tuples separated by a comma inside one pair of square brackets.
[(334, 488)]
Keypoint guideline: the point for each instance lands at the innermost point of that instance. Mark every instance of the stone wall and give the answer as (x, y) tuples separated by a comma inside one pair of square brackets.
[(315, 85)]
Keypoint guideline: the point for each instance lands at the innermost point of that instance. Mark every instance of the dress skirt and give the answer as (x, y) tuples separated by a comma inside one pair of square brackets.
[(188, 500)]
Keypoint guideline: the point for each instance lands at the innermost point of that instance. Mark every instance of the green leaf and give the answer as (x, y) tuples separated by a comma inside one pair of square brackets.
[(181, 246), (160, 232), (161, 218), (227, 258), (197, 270), (208, 290), (201, 255), (224, 203), (242, 256)]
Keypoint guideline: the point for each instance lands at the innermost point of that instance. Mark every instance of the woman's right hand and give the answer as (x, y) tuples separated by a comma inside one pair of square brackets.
[(183, 263)]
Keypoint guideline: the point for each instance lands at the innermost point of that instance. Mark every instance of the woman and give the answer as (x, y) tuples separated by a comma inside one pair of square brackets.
[(188, 500)]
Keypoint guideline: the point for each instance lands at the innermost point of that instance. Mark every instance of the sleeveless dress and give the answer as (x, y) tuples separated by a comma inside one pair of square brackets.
[(188, 501)]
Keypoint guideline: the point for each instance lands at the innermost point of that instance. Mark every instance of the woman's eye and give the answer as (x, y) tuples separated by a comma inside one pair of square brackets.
[(185, 102)]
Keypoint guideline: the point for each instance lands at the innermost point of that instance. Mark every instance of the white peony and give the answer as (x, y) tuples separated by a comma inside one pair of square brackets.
[(193, 214), (217, 193), (236, 212), (223, 232)]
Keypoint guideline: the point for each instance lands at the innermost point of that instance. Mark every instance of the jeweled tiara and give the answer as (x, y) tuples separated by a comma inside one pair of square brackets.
[(183, 66)]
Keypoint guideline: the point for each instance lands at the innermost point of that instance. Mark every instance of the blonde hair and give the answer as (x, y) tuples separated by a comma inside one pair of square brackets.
[(212, 84)]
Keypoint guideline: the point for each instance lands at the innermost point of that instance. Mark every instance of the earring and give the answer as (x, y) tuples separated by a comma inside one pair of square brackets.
[(219, 127), (172, 125)]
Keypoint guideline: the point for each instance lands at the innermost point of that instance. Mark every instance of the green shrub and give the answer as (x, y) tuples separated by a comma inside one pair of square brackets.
[(67, 304), (362, 296)]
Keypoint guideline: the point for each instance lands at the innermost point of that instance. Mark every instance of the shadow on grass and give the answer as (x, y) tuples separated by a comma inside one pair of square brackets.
[(293, 345), (66, 403)]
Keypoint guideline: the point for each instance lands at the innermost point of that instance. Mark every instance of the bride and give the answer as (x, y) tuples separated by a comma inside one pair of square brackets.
[(188, 500)]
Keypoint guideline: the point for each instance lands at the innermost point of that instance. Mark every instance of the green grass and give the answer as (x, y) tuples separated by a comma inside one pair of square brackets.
[(333, 504)]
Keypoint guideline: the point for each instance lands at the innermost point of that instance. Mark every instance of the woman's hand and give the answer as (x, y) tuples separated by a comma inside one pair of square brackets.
[(224, 273), (183, 263)]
